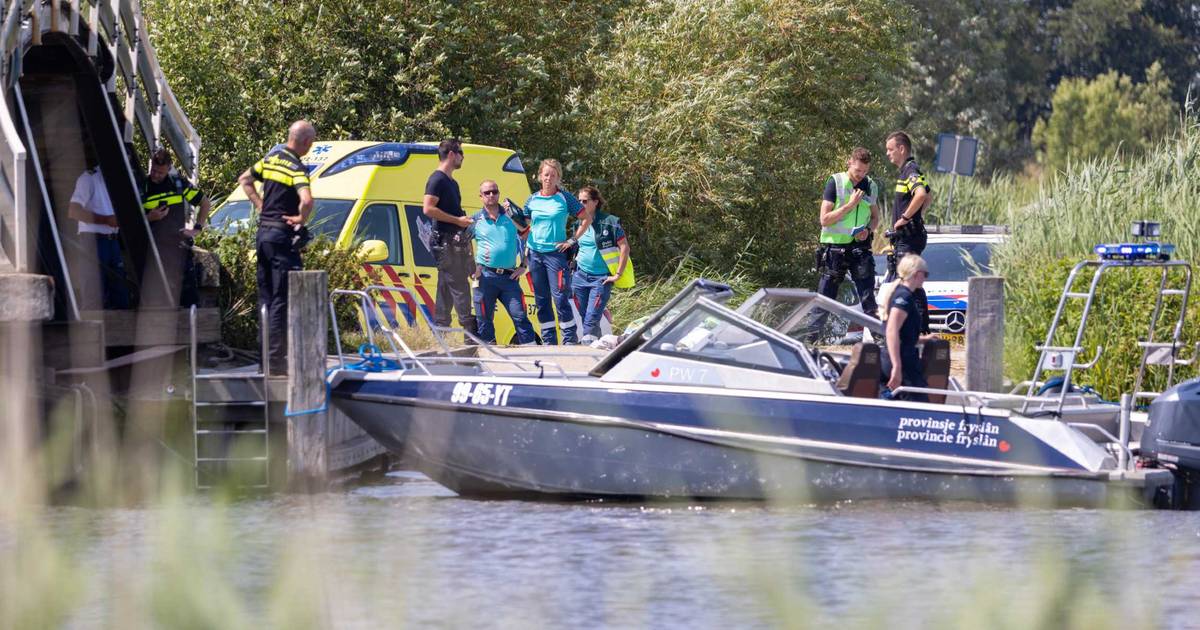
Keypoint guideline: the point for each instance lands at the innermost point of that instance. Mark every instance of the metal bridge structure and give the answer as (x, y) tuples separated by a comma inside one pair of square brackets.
[(80, 82)]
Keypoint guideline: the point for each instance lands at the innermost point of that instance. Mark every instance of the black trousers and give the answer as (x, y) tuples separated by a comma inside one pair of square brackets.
[(837, 261), (179, 263), (276, 257), (910, 372), (455, 267), (909, 240)]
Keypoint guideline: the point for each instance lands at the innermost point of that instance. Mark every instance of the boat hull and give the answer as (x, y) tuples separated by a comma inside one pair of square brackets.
[(489, 451)]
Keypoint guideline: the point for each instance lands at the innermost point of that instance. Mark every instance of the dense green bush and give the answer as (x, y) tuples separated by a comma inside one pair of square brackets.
[(238, 295), (710, 125), (496, 73), (1109, 114), (1118, 320), (714, 124), (1095, 203)]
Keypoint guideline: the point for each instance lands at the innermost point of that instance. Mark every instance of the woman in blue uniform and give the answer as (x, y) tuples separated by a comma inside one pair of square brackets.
[(902, 318), (547, 211), (592, 282)]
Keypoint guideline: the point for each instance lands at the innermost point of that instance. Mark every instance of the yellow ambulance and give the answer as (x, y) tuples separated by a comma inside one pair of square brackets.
[(371, 193)]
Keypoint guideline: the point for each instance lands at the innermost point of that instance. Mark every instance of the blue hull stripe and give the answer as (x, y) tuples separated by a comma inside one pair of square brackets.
[(951, 433)]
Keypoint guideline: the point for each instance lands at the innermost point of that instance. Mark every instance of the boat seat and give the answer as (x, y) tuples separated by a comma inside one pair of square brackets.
[(860, 377), (935, 364)]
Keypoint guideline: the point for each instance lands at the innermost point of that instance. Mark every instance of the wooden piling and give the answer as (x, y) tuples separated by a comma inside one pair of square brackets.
[(307, 419), (985, 333)]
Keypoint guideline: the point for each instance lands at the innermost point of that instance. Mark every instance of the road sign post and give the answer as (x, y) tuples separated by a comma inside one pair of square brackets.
[(956, 155)]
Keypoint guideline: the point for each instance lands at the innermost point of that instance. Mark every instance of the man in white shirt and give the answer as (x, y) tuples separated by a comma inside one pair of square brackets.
[(92, 207)]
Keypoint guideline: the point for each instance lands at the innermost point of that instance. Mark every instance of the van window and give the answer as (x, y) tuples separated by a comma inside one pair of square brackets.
[(328, 216), (380, 221), (232, 216), (422, 257)]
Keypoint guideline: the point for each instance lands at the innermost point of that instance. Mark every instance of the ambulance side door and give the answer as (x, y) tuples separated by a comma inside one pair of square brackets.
[(380, 221), (422, 262)]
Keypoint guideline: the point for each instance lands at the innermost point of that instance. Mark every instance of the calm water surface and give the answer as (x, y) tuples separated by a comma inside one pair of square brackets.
[(408, 553)]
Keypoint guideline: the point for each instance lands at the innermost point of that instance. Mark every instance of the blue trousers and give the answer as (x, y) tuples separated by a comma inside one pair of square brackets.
[(494, 286), (591, 294), (552, 286), (114, 293)]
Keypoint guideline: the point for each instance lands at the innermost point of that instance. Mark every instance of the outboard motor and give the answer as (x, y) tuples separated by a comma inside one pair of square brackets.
[(1172, 439)]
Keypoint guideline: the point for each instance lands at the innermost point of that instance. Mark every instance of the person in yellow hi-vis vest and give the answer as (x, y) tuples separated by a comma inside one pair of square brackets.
[(849, 215)]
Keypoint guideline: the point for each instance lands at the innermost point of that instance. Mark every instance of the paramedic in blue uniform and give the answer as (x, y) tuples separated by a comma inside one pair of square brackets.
[(592, 283), (498, 266), (547, 211), (165, 198), (912, 197), (443, 203), (849, 215), (283, 209)]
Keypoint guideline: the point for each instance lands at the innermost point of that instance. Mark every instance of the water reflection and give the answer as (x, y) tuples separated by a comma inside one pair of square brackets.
[(407, 552)]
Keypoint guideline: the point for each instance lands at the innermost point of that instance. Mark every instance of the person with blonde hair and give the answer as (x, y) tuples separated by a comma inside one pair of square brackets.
[(902, 322), (547, 211)]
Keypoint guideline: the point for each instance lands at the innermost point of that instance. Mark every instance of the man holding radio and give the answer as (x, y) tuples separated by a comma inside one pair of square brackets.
[(849, 215)]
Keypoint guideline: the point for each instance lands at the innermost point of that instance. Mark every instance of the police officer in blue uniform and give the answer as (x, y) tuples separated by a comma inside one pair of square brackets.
[(498, 266), (165, 199), (908, 233), (283, 210), (912, 197)]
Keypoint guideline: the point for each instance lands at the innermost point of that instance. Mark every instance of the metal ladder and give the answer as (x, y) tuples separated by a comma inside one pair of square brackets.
[(1164, 353), (1062, 358), (231, 422)]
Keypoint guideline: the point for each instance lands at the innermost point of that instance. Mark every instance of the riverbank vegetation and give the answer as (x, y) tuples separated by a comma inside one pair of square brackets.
[(711, 125)]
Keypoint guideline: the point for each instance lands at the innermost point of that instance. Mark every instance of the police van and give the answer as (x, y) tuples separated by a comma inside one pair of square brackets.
[(954, 253), (372, 192)]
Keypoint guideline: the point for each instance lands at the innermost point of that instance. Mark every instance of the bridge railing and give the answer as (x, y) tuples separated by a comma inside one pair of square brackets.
[(148, 103)]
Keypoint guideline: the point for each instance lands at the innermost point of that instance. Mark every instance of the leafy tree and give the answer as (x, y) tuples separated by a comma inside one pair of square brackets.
[(989, 68), (1107, 114), (714, 123), (496, 73)]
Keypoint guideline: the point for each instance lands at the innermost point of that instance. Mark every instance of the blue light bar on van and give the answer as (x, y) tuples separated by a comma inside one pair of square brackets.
[(383, 154), (1134, 251)]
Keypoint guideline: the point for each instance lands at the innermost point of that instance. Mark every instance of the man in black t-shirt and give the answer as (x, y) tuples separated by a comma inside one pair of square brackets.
[(165, 198), (283, 209), (443, 204)]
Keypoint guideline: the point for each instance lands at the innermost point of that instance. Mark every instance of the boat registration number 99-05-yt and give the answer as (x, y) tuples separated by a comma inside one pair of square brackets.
[(481, 394)]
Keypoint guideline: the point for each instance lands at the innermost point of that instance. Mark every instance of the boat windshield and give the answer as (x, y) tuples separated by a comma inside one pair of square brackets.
[(700, 287), (811, 318), (707, 332)]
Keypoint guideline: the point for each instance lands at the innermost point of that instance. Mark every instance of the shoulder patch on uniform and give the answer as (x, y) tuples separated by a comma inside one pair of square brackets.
[(900, 301)]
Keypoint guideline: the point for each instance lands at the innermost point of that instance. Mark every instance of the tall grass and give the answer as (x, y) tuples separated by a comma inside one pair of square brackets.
[(654, 289), (1089, 203)]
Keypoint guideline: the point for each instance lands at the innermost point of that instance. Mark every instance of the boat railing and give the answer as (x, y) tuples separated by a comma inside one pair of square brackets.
[(986, 399), (366, 304), (400, 348)]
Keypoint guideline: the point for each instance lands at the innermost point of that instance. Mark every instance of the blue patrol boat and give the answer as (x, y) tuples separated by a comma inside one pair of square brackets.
[(776, 400)]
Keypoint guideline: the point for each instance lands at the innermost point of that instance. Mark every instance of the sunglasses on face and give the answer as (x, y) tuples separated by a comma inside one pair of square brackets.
[(489, 192)]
